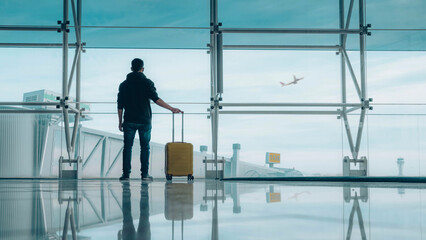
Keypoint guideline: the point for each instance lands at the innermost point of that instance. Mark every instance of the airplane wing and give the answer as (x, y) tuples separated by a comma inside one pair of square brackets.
[(294, 77)]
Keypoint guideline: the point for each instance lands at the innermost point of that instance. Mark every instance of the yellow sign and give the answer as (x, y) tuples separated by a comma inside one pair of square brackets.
[(273, 157), (273, 197)]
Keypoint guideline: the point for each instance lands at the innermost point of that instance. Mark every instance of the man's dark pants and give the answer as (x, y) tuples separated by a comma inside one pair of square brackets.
[(144, 131)]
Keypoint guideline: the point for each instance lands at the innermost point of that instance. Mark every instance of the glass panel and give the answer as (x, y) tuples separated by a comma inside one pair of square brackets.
[(397, 144), (396, 77), (396, 15), (32, 37), (29, 12), (185, 13), (279, 14), (288, 135), (280, 39), (255, 76), (26, 70), (145, 38), (196, 131), (178, 75), (396, 41)]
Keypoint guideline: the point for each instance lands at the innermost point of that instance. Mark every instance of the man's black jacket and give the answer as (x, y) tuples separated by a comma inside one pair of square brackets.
[(134, 95)]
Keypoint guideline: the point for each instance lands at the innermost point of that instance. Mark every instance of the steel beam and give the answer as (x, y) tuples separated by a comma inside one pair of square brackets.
[(74, 110), (349, 134), (348, 21), (75, 131), (351, 70), (359, 135), (342, 58), (29, 103), (215, 71), (65, 51), (343, 76), (352, 109), (219, 65), (308, 47), (65, 75), (290, 30), (67, 131), (103, 157), (42, 45), (362, 51), (114, 162), (363, 79), (76, 58), (28, 28), (93, 151), (290, 104), (78, 71), (284, 112), (76, 21), (39, 111)]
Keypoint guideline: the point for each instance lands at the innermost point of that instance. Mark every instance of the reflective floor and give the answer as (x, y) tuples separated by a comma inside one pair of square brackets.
[(109, 209)]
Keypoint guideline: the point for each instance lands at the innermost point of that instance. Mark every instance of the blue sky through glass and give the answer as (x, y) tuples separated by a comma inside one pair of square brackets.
[(308, 143)]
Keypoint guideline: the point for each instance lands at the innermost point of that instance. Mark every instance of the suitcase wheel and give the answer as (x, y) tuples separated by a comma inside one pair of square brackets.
[(169, 177), (190, 177)]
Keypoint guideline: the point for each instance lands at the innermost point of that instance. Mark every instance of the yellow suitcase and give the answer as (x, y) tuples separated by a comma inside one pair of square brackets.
[(179, 157)]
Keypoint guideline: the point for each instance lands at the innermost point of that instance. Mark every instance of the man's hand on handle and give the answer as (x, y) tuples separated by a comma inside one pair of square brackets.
[(163, 104), (176, 110), (120, 127)]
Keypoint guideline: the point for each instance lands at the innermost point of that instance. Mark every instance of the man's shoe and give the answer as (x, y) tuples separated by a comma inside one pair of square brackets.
[(123, 178), (147, 178)]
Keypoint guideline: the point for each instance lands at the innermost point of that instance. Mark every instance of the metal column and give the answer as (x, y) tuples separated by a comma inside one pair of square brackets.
[(65, 30), (216, 73), (76, 66), (363, 80), (67, 84), (343, 38)]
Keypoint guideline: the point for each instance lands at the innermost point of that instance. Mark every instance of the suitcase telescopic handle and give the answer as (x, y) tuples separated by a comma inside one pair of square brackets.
[(173, 131)]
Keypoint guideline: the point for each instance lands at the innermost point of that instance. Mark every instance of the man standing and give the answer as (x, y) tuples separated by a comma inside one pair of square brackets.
[(134, 96)]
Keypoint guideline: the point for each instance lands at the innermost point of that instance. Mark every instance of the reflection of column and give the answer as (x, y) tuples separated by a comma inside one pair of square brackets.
[(235, 198), (215, 220), (356, 208), (235, 158), (400, 163)]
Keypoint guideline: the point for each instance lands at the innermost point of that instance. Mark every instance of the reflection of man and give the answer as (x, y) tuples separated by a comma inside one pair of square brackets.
[(134, 95), (144, 228)]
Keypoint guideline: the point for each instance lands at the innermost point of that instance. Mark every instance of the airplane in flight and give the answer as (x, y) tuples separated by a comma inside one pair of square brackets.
[(294, 81)]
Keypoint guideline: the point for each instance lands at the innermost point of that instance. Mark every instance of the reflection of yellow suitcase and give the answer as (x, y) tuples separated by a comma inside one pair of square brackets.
[(179, 157), (179, 203)]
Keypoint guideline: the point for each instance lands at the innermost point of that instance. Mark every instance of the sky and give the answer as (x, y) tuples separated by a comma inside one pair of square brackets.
[(311, 144)]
